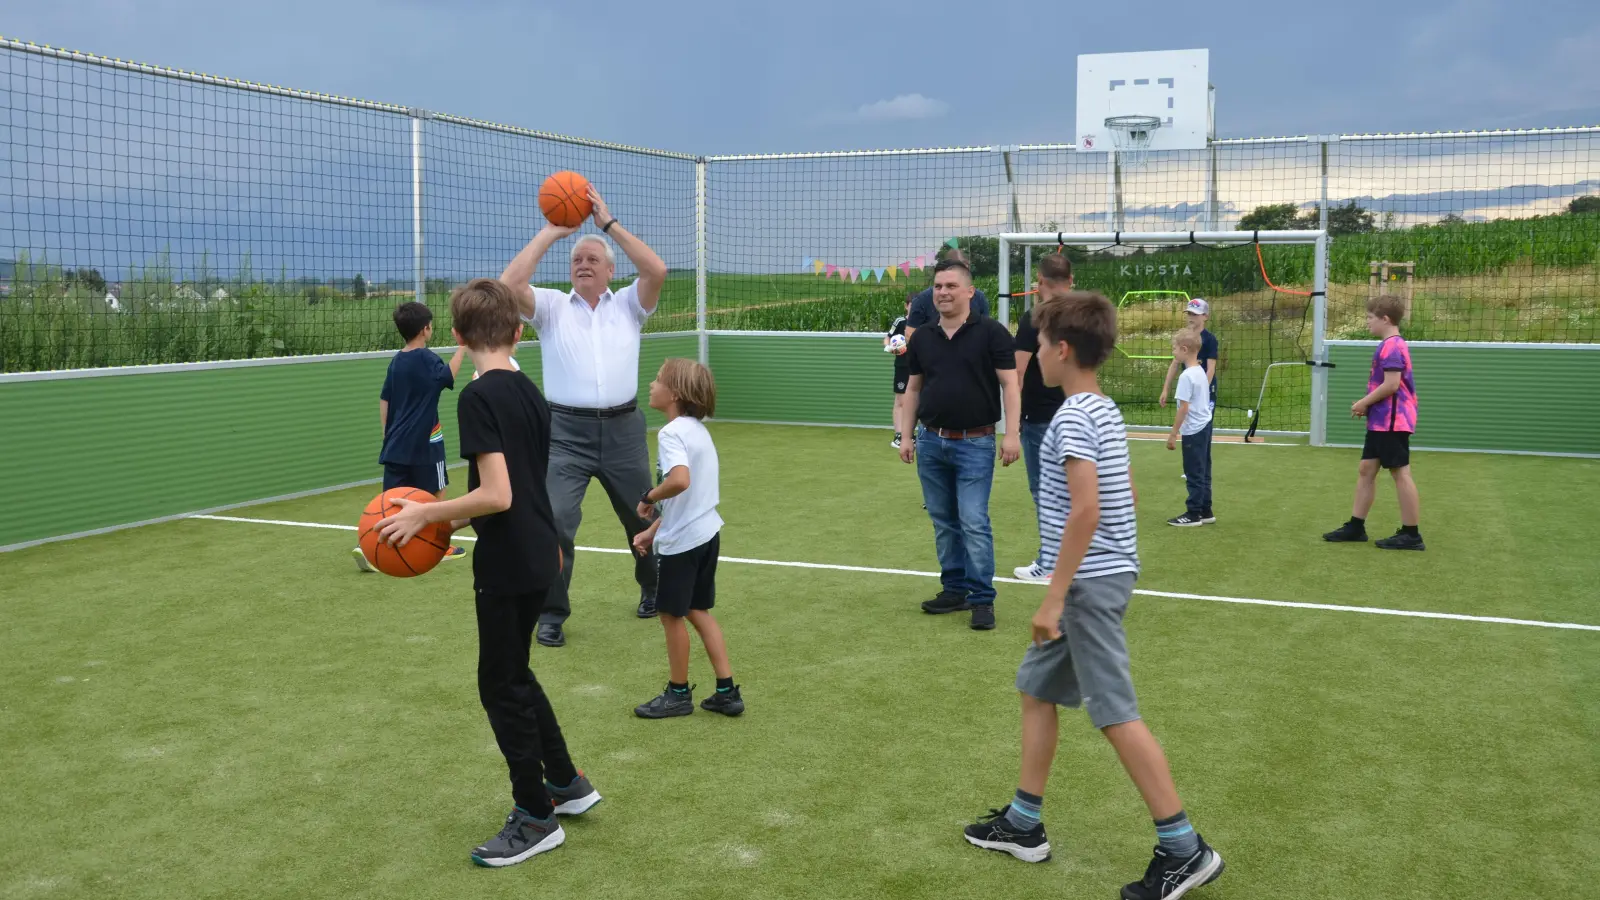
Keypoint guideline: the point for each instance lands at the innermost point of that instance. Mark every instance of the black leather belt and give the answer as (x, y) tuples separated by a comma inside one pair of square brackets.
[(610, 413)]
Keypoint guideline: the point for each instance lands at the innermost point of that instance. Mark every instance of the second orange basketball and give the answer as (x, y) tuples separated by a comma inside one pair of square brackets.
[(564, 199)]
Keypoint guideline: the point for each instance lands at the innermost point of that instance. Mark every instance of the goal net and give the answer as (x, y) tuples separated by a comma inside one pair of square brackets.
[(1260, 289)]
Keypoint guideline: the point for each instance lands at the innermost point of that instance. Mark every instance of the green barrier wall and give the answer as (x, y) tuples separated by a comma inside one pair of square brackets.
[(109, 450), (1527, 399), (831, 380), (112, 450)]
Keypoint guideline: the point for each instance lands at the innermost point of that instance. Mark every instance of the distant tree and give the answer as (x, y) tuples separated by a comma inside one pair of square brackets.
[(1580, 205), (1347, 219), (1272, 217), (91, 279), (359, 289), (1452, 219)]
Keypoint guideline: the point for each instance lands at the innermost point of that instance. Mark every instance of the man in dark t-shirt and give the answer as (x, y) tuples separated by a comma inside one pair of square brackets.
[(1039, 402), (961, 367), (505, 437)]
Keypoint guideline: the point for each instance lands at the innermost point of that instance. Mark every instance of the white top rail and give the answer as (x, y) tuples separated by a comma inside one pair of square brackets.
[(1163, 237)]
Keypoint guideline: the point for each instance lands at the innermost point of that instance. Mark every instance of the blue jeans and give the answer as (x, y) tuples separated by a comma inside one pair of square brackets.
[(1197, 469), (956, 476), (1032, 442)]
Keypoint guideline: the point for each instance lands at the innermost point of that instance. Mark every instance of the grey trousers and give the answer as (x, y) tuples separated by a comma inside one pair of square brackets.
[(614, 451)]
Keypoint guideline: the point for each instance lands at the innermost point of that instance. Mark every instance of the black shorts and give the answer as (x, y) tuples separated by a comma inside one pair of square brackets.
[(1392, 449), (688, 580), (902, 374), (429, 477)]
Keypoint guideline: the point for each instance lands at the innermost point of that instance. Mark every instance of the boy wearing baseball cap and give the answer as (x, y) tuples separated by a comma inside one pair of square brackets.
[(1198, 313)]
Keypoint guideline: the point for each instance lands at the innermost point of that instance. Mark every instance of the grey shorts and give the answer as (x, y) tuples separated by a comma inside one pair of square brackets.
[(1088, 665)]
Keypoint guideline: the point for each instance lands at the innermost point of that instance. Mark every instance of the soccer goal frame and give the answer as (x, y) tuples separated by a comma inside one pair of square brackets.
[(1317, 239)]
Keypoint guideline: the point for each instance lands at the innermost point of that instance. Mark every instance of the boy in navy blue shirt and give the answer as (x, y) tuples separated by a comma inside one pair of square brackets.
[(408, 408)]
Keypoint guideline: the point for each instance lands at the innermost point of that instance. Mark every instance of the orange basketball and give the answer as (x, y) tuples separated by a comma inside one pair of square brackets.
[(420, 554), (564, 198)]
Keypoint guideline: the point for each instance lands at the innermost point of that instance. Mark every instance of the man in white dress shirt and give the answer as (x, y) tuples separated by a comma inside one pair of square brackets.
[(589, 343)]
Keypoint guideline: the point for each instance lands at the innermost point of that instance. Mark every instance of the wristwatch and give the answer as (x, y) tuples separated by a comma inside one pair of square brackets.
[(606, 228), (644, 498)]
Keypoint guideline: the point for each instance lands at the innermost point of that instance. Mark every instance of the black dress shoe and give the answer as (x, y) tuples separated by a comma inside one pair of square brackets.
[(550, 635), (647, 604)]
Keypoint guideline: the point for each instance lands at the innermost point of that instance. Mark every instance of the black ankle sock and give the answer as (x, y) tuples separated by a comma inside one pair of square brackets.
[(677, 688), (1411, 530), (1358, 522), (724, 685)]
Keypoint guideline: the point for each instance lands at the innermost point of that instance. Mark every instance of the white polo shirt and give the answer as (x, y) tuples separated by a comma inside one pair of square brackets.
[(590, 356)]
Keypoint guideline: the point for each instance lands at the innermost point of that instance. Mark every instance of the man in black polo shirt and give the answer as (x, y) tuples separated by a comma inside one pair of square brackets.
[(1039, 402), (923, 313), (959, 367)]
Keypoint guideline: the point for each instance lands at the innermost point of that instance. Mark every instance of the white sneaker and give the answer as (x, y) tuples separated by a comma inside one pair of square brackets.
[(1032, 574), (361, 561)]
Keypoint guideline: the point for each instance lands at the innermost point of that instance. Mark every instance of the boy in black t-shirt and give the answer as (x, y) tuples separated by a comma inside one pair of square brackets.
[(505, 436), (1039, 400), (902, 369), (408, 410)]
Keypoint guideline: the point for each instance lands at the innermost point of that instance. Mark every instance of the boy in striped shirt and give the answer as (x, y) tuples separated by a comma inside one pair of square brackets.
[(1079, 655)]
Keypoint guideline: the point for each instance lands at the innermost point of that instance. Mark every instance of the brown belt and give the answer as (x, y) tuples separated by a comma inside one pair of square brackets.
[(958, 434)]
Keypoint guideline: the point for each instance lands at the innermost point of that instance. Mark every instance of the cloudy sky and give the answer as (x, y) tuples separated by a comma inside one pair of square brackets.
[(725, 76), (108, 169)]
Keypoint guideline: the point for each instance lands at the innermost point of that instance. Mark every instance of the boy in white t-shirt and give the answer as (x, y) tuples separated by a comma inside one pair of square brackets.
[(1193, 423), (686, 537)]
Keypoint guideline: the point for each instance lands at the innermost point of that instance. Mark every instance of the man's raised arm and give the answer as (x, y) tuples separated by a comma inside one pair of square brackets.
[(519, 272), (652, 270)]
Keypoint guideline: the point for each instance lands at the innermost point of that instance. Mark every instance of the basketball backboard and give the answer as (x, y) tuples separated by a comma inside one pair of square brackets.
[(1171, 85)]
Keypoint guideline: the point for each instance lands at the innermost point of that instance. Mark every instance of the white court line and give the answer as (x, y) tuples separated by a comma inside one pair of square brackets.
[(1169, 595)]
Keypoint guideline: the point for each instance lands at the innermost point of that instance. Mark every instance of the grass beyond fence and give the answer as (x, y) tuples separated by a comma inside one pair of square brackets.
[(1510, 280)]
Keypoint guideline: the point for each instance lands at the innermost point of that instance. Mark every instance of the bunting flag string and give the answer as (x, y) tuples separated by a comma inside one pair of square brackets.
[(818, 266)]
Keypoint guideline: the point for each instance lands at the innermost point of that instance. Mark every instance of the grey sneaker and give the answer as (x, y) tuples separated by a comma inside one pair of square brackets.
[(728, 702), (523, 836), (666, 705), (575, 799), (361, 561)]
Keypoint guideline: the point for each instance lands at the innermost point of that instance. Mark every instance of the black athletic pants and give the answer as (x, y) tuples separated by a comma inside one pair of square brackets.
[(524, 724)]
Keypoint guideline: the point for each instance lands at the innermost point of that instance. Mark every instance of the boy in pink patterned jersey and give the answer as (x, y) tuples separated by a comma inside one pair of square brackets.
[(1390, 408)]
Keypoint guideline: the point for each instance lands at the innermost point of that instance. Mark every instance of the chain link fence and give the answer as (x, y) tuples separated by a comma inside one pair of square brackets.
[(154, 216)]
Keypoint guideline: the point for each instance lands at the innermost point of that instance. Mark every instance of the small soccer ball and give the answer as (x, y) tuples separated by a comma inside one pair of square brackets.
[(897, 344)]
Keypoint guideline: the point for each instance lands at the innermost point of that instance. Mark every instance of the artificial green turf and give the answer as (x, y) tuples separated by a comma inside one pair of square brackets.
[(211, 709)]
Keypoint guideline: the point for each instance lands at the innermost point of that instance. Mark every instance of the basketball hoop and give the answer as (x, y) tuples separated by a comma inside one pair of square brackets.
[(1130, 135)]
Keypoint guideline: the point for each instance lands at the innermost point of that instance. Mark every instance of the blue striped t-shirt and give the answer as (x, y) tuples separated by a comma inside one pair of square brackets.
[(1088, 427)]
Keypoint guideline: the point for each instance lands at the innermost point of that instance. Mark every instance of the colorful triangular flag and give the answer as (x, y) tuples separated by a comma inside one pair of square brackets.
[(830, 268), (806, 263), (894, 272), (879, 273), (922, 262), (905, 268), (952, 244), (816, 266)]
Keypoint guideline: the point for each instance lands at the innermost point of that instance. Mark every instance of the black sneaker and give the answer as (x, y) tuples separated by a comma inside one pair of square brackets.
[(647, 604), (1168, 878), (522, 837), (575, 799), (946, 602), (1402, 540), (1207, 517), (896, 442), (983, 617), (993, 832), (667, 704), (1187, 520), (1349, 532), (549, 635), (728, 702)]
